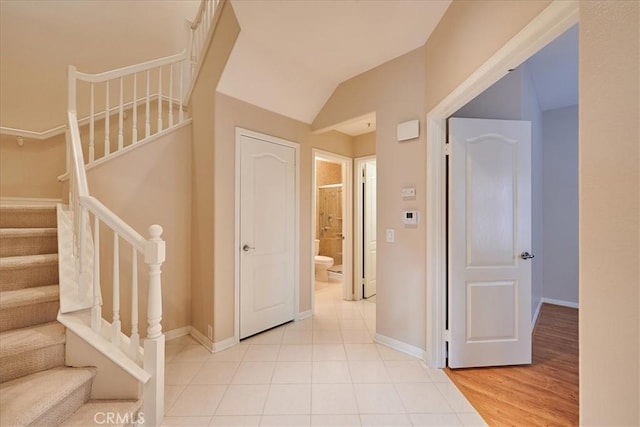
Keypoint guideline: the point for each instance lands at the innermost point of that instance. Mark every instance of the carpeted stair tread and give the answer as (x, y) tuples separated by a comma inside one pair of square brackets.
[(24, 216), (44, 398), (15, 262), (18, 272), (27, 307), (33, 349), (95, 412), (21, 297), (22, 340), (28, 241)]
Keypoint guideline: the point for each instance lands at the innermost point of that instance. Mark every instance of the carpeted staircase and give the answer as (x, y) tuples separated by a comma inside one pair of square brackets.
[(36, 388)]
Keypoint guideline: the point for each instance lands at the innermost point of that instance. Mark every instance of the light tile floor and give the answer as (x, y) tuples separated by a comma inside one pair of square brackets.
[(321, 371)]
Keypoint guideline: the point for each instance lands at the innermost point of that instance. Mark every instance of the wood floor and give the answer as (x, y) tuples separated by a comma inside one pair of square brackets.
[(544, 393)]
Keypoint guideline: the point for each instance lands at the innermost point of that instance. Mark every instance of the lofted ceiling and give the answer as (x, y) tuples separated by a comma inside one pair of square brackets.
[(292, 54)]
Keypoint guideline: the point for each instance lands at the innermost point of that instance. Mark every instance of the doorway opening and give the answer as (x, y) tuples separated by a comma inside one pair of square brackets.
[(552, 22), (331, 223)]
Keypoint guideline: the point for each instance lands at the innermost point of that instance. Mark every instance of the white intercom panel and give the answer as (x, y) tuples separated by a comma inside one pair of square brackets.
[(410, 217)]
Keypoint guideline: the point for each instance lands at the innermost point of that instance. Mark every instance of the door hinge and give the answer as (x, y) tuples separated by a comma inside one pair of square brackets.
[(447, 335), (447, 149)]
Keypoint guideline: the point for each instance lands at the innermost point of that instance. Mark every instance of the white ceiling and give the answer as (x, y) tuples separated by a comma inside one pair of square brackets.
[(554, 71), (291, 55)]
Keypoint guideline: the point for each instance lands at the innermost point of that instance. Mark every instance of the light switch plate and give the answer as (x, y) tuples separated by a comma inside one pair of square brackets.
[(391, 235)]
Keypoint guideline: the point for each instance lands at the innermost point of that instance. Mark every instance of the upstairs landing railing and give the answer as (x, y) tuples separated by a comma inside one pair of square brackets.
[(125, 106)]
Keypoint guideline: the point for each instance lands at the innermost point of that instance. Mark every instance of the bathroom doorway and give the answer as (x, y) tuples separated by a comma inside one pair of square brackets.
[(331, 222)]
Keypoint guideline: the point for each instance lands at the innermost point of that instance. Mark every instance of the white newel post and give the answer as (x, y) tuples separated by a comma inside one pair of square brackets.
[(153, 406)]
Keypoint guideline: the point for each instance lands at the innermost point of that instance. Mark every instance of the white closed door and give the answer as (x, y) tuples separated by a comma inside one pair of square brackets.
[(267, 234), (370, 229), (489, 296)]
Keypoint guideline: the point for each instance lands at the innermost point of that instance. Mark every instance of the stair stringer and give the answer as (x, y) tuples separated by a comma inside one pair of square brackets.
[(111, 381)]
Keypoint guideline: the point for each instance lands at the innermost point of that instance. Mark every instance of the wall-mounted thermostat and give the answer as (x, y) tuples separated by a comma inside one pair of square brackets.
[(410, 217)]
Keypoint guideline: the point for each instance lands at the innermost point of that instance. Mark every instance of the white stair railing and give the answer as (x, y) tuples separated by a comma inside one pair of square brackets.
[(84, 208), (151, 94), (87, 210), (200, 32)]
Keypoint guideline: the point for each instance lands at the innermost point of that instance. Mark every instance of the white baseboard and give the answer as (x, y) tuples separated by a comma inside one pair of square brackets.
[(13, 201), (535, 315), (177, 333), (563, 303), (304, 315), (400, 346), (197, 335), (225, 344)]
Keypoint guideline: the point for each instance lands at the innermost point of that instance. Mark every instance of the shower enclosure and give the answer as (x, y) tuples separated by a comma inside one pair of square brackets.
[(329, 223)]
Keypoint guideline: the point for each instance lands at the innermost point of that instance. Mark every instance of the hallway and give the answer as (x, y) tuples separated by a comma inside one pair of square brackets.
[(320, 371)]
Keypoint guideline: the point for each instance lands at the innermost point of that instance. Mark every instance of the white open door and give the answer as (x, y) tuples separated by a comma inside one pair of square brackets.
[(369, 229), (267, 234), (489, 241)]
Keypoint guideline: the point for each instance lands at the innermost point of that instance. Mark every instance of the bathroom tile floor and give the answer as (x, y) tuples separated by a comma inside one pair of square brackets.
[(321, 371)]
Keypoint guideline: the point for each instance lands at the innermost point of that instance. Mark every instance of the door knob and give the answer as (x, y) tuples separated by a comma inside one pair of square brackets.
[(247, 248), (526, 255)]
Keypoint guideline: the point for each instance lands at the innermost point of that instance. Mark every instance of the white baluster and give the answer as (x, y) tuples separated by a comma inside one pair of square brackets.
[(147, 124), (92, 150), (70, 166), (83, 285), (159, 100), (170, 95), (96, 309), (121, 116), (107, 142), (192, 55), (154, 344), (134, 131), (135, 336), (115, 324), (181, 112)]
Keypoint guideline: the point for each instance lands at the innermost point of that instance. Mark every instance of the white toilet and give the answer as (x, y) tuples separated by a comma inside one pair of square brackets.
[(322, 263)]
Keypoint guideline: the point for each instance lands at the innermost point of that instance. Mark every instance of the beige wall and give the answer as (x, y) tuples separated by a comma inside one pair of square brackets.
[(231, 113), (32, 170), (17, 177), (150, 185), (202, 110), (364, 145), (609, 186)]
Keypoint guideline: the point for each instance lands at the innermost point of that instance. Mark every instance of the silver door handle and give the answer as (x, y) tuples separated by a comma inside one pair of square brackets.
[(247, 248), (526, 255)]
